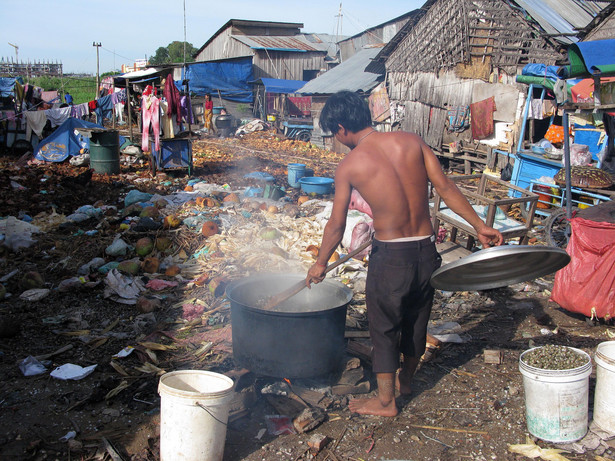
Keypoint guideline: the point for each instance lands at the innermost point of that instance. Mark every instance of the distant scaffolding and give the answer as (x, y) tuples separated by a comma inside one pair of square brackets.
[(9, 67)]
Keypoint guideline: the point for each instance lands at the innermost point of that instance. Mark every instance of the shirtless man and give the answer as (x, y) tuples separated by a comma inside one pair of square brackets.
[(391, 171)]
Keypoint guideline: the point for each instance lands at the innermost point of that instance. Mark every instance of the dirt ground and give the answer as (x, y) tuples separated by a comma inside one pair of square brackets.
[(461, 407)]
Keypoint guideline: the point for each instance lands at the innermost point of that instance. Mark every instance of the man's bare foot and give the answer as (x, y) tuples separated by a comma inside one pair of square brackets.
[(402, 383), (372, 406)]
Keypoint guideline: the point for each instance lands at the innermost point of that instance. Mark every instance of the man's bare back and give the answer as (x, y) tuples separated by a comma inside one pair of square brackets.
[(395, 159)]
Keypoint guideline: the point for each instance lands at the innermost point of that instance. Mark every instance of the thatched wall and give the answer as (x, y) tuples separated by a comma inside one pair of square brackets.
[(487, 34)]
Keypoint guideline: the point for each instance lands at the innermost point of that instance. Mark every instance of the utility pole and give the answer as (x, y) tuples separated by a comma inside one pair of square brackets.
[(97, 45), (16, 52)]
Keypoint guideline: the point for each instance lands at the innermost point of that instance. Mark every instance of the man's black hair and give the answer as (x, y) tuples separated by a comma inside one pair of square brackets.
[(347, 109)]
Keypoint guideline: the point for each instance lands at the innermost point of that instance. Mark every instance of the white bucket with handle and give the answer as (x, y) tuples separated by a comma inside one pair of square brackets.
[(194, 406)]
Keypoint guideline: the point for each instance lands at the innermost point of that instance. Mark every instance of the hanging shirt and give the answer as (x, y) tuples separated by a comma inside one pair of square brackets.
[(104, 109), (171, 94), (186, 106), (36, 122)]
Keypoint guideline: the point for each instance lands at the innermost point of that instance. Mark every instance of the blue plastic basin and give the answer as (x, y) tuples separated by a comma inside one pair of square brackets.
[(316, 185)]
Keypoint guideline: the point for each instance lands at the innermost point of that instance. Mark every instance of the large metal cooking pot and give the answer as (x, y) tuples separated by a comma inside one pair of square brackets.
[(302, 337)]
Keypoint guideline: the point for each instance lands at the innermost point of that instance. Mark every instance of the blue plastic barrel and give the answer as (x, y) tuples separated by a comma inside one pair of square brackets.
[(296, 171)]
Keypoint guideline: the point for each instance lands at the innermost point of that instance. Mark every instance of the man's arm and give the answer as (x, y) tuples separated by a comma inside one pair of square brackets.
[(334, 229), (456, 201)]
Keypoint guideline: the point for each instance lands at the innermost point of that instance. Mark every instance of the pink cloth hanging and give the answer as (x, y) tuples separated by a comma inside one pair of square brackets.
[(150, 108)]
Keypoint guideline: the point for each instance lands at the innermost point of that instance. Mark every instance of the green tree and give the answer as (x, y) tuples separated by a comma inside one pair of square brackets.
[(161, 57), (173, 53)]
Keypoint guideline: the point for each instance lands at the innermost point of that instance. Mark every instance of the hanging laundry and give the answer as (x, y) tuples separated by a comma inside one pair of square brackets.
[(549, 108), (458, 118), (92, 105), (167, 123), (58, 115), (186, 106), (36, 122), (171, 94), (482, 118), (104, 109), (150, 108), (80, 111), (119, 112), (535, 110)]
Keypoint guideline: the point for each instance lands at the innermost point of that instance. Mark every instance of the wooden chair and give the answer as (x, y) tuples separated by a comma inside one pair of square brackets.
[(484, 193)]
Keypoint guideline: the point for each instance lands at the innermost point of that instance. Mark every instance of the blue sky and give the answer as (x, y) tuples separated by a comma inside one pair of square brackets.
[(64, 30)]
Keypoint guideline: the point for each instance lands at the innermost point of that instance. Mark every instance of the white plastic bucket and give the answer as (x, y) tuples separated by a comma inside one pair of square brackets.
[(556, 401), (604, 396), (194, 406)]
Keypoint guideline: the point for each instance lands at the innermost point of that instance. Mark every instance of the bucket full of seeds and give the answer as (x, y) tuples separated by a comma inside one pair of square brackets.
[(556, 385)]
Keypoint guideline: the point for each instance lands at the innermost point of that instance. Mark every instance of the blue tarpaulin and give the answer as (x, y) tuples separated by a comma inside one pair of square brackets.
[(541, 70), (6, 86), (229, 78), (65, 141), (591, 58), (277, 85)]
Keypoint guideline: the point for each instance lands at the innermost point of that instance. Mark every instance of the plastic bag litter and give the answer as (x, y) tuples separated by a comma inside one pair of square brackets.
[(117, 248), (121, 288), (35, 294), (123, 353), (136, 196), (17, 233), (30, 366), (91, 266), (277, 425), (80, 160), (69, 435), (72, 371)]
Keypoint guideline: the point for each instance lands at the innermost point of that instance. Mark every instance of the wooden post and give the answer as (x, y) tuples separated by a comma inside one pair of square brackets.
[(128, 106), (113, 110), (187, 84)]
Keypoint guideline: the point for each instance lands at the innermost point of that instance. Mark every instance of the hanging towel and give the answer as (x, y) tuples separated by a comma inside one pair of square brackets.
[(58, 115), (482, 118), (36, 122)]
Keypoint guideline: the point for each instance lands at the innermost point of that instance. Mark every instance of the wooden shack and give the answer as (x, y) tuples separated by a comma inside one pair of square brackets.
[(462, 52)]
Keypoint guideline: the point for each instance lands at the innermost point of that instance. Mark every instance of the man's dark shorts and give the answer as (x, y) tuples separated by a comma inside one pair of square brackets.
[(399, 299)]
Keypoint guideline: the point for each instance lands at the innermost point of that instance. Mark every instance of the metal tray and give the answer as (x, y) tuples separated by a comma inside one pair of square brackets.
[(500, 266)]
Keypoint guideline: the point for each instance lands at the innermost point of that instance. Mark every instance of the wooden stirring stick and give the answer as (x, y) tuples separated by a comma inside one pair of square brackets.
[(296, 288)]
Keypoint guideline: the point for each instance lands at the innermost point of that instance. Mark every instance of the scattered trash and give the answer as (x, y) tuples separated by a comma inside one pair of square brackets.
[(69, 435), (117, 248), (121, 288), (72, 371), (31, 367), (278, 425), (35, 294), (124, 352)]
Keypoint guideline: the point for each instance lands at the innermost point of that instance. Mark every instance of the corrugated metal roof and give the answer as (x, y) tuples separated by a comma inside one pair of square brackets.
[(349, 75), (562, 16), (278, 43)]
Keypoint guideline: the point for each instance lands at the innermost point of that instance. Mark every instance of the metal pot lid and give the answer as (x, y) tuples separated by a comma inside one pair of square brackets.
[(500, 266)]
